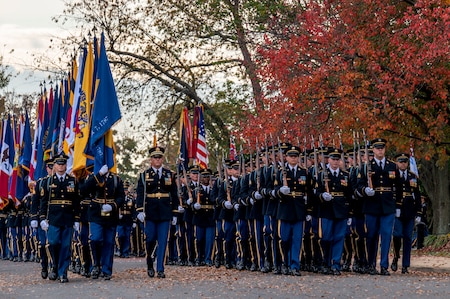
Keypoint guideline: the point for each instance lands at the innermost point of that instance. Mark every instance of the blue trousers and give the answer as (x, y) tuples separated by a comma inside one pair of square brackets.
[(291, 235), (333, 234), (205, 242), (59, 241), (257, 233), (102, 239), (158, 231), (229, 235), (403, 228), (379, 226), (124, 236)]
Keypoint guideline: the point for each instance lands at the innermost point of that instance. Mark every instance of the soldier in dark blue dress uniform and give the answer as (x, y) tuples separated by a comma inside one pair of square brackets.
[(228, 198), (126, 215), (335, 193), (107, 188), (408, 212), (378, 188), (292, 209), (203, 220), (59, 215), (41, 235), (156, 199)]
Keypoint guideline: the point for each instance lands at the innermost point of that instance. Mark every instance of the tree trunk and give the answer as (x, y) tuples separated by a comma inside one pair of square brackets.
[(435, 181)]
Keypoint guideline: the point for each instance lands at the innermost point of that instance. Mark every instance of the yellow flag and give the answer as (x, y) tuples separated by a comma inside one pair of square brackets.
[(84, 114)]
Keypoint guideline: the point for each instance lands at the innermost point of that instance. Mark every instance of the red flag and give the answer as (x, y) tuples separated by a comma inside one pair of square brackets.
[(201, 152)]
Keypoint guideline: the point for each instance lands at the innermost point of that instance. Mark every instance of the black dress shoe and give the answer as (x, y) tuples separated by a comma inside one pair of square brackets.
[(394, 265), (335, 271), (107, 277), (296, 272), (384, 271), (405, 270), (284, 270), (326, 271), (52, 274), (217, 263), (151, 272), (63, 279), (44, 273), (161, 275), (95, 272), (277, 270), (372, 270)]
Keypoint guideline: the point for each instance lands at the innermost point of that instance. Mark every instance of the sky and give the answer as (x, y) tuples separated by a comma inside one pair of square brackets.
[(26, 29)]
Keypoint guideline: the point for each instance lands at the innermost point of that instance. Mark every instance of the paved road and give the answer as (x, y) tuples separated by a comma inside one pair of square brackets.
[(22, 280)]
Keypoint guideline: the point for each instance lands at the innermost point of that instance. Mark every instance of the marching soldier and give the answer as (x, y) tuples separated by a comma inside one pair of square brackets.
[(156, 199), (85, 249), (126, 214), (335, 195), (378, 184), (214, 195), (407, 212), (203, 220), (256, 216), (228, 194), (292, 209), (39, 187), (186, 226), (109, 196), (59, 215), (241, 219)]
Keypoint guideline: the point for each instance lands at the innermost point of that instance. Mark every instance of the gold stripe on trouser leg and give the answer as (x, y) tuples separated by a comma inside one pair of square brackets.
[(257, 245), (280, 248)]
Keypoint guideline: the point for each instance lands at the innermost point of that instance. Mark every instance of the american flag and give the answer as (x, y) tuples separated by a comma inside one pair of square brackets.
[(201, 153)]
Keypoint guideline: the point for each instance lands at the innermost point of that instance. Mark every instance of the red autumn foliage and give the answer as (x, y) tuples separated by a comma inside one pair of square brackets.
[(343, 66)]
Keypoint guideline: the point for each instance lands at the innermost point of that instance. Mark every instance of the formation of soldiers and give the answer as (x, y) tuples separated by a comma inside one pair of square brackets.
[(283, 210)]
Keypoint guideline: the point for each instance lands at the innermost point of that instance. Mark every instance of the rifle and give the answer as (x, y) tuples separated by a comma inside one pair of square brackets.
[(178, 182), (274, 162), (344, 166), (258, 167), (199, 187), (354, 150), (368, 166), (359, 152), (188, 183), (316, 162), (324, 170), (306, 153), (283, 166), (225, 180)]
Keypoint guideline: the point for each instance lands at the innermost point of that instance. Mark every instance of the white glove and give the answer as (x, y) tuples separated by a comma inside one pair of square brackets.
[(349, 221), (252, 201), (285, 190), (134, 225), (174, 220), (106, 208), (326, 196), (197, 206), (34, 223), (369, 191), (120, 216), (272, 193), (308, 218), (257, 195), (418, 219), (76, 226), (236, 206), (141, 216), (103, 170), (228, 205), (180, 209), (44, 225), (189, 201), (397, 213)]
